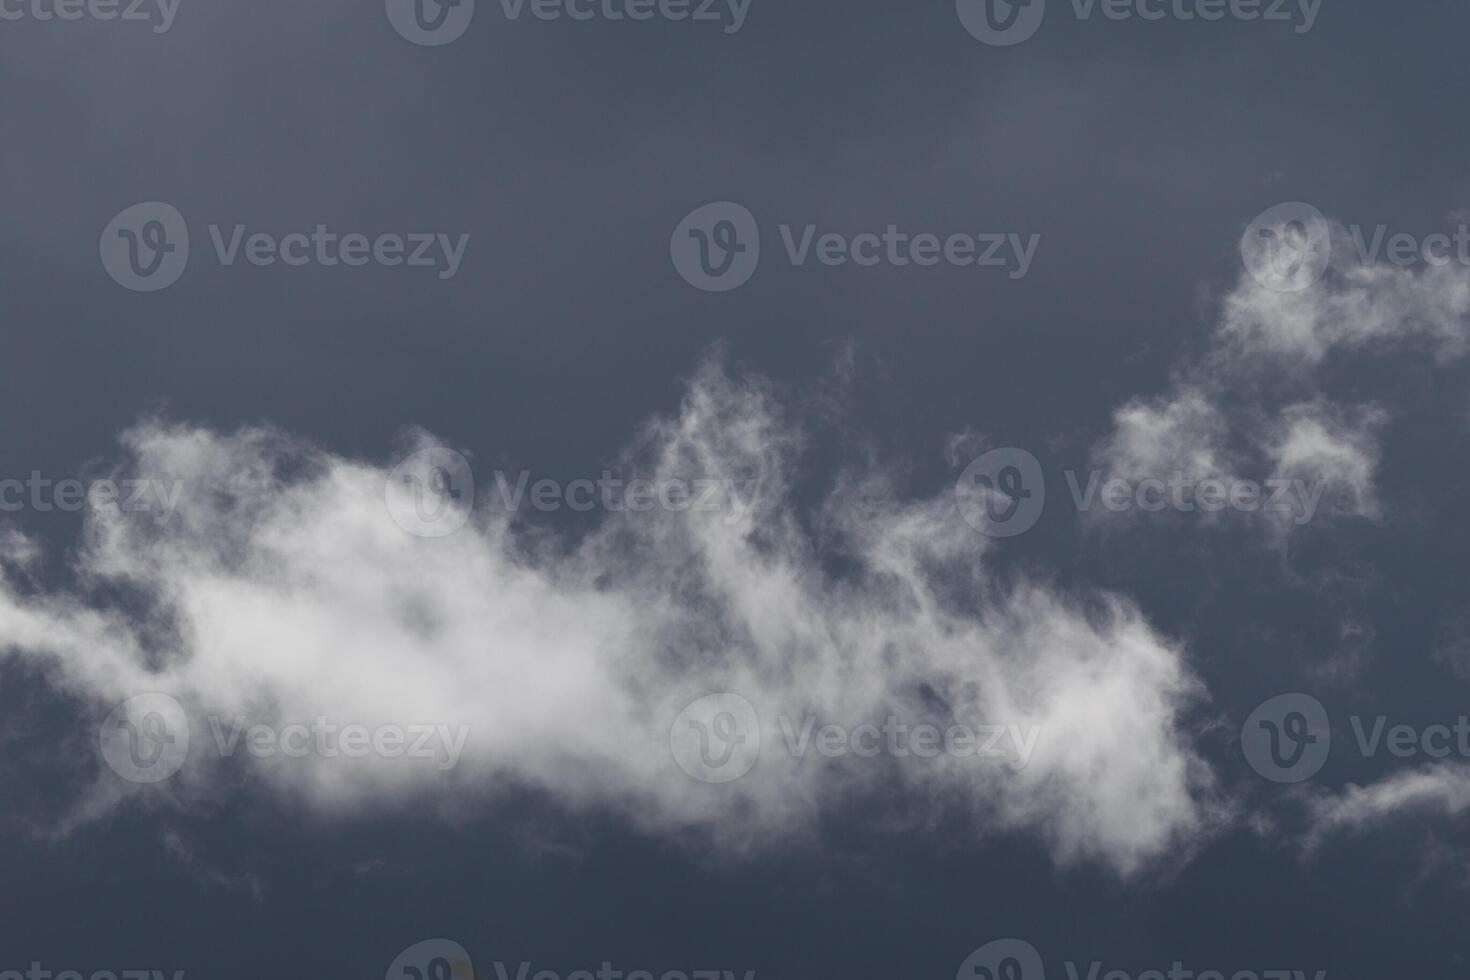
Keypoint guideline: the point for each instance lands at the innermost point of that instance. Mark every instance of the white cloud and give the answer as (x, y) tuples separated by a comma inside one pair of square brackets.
[(1333, 448), (1355, 307), (292, 594), (1442, 790), (1183, 433), (1251, 407)]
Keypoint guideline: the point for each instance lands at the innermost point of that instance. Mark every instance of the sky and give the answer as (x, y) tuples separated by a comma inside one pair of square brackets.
[(654, 490)]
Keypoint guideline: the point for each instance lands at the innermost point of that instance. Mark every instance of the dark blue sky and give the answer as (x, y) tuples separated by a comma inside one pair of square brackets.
[(569, 152)]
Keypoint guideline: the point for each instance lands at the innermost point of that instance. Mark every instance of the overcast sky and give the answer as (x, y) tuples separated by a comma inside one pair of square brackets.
[(819, 490)]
